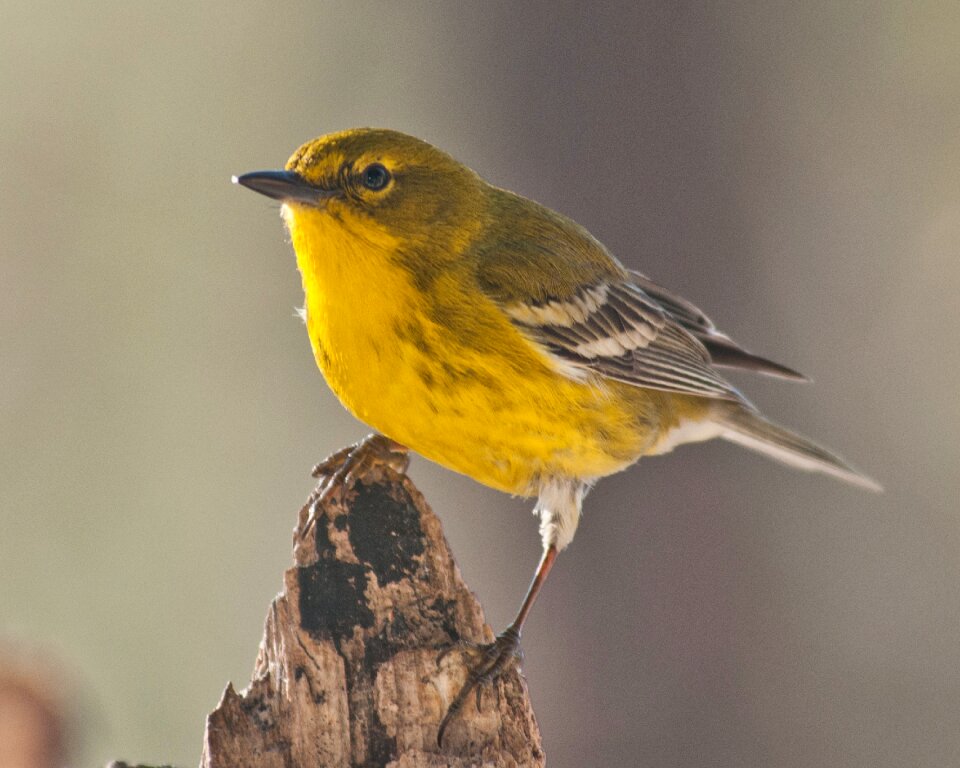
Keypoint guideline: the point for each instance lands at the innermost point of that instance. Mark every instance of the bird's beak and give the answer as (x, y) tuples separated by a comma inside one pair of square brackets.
[(288, 186)]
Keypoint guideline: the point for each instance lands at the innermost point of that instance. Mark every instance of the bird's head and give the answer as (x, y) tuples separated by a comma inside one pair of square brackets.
[(378, 185)]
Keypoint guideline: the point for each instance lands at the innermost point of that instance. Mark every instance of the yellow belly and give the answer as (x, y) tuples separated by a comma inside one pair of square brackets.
[(487, 404)]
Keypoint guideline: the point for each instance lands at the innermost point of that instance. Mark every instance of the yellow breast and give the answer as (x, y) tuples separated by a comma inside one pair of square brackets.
[(482, 401)]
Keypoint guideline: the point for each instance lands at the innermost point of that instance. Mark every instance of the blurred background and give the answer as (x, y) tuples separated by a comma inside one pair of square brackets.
[(793, 168)]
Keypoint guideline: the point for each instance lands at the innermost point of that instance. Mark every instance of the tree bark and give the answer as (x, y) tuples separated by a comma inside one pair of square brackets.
[(349, 672)]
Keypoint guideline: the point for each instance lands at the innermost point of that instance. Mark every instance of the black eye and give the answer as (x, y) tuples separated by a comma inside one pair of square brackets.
[(375, 177)]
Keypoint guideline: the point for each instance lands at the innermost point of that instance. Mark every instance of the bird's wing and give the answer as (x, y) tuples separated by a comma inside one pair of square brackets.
[(724, 351), (565, 292), (615, 329)]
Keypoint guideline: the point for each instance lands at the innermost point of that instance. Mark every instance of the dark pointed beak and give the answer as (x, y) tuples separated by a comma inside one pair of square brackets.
[(288, 186)]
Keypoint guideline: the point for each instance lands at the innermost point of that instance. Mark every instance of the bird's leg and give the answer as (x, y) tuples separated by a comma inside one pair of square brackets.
[(496, 656)]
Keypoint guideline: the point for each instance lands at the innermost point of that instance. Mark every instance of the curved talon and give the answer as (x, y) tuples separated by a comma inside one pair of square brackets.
[(494, 659)]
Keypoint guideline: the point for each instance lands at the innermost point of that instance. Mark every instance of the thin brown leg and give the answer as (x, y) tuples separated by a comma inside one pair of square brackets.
[(540, 576), (496, 656)]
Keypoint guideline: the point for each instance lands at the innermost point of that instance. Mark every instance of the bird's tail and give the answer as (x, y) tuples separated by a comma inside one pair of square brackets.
[(748, 428)]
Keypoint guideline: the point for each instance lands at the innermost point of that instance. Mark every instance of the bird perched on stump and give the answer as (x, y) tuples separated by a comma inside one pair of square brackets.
[(500, 339)]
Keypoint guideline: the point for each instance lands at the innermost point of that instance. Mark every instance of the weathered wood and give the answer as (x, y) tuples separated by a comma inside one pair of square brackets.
[(349, 671)]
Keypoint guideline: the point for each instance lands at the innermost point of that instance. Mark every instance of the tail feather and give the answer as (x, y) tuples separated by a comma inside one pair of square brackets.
[(751, 430)]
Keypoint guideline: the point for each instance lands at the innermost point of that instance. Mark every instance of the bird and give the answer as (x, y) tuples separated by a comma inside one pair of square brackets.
[(501, 339)]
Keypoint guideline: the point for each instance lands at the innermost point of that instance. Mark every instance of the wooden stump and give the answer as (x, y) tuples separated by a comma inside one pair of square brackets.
[(349, 670)]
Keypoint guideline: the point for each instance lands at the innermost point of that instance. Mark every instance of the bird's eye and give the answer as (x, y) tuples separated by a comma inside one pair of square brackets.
[(375, 177)]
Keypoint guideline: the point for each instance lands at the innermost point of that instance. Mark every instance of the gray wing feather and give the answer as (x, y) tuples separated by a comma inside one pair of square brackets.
[(617, 330)]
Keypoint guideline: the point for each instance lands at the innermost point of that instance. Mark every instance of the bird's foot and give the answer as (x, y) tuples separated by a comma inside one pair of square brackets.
[(352, 462), (491, 661), (345, 467)]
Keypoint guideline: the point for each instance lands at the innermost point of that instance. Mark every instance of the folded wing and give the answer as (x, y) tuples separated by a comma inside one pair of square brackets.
[(615, 329), (564, 291)]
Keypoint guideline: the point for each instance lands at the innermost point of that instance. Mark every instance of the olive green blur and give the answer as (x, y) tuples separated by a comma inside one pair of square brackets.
[(793, 168)]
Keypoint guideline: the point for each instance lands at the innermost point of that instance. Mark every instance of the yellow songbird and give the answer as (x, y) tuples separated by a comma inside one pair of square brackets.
[(499, 338)]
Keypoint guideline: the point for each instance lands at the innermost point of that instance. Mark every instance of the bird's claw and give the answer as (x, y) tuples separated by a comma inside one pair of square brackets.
[(374, 449), (494, 658), (345, 467)]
